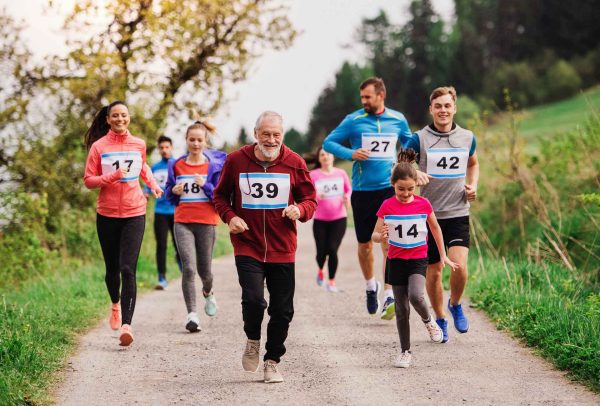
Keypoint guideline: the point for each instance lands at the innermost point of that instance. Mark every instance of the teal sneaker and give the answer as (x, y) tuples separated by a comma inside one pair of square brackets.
[(388, 311), (210, 307)]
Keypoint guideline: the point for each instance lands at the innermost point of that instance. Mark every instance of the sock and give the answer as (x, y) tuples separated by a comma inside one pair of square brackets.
[(371, 284), (331, 282), (426, 320), (388, 293)]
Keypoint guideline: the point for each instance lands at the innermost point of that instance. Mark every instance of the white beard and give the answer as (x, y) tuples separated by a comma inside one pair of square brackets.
[(269, 153)]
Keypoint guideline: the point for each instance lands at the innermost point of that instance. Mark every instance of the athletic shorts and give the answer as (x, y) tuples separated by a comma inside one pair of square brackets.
[(365, 205), (456, 233), (397, 270)]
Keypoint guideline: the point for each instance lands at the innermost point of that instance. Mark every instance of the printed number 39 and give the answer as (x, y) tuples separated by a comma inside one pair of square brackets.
[(271, 188)]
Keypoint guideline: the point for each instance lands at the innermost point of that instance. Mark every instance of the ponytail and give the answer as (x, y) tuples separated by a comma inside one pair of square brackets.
[(404, 169), (99, 126)]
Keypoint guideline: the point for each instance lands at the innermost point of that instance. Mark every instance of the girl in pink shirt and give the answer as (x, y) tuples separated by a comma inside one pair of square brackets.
[(402, 221), (116, 159), (329, 225)]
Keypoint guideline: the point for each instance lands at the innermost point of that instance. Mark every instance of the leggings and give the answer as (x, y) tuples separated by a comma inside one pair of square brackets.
[(195, 243), (328, 237), (403, 294), (121, 239), (163, 223)]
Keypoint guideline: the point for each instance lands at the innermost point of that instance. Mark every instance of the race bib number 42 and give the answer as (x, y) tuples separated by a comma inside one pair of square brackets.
[(130, 160), (264, 190), (330, 188), (380, 146), (447, 162), (408, 231), (192, 192)]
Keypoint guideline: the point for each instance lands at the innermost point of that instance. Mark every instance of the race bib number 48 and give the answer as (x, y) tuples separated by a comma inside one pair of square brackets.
[(192, 192), (447, 162), (330, 188), (380, 146), (407, 231), (130, 160), (264, 190)]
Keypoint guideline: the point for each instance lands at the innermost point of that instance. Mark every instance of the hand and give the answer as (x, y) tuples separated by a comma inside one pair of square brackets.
[(321, 196), (360, 154), (423, 178), (451, 264), (123, 172), (347, 202), (292, 212), (471, 192), (237, 225), (157, 192), (199, 180), (177, 189), (385, 232)]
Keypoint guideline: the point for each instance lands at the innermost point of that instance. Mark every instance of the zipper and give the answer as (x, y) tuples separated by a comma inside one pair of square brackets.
[(265, 228)]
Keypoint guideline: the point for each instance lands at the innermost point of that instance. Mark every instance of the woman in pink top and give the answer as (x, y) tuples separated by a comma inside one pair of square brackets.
[(116, 159), (329, 225)]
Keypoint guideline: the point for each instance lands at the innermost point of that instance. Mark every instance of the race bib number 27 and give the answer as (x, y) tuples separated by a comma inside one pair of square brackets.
[(264, 190), (381, 146)]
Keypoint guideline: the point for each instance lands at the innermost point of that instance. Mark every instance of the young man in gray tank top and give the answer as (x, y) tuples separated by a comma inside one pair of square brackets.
[(448, 175)]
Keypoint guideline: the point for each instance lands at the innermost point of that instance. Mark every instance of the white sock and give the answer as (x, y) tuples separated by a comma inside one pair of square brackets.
[(388, 293), (371, 284)]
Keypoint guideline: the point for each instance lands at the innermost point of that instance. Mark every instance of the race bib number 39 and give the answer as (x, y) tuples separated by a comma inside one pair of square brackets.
[(264, 190), (192, 192), (447, 162), (407, 231), (380, 146), (130, 160), (330, 188)]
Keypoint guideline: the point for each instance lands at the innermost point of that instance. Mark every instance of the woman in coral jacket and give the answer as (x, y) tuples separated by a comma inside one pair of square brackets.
[(116, 159)]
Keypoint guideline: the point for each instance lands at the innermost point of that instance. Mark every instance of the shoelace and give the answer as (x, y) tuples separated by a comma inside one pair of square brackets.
[(251, 349), (271, 367)]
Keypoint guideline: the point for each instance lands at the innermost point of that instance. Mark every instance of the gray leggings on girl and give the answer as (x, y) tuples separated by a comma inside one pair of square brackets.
[(403, 294), (195, 244)]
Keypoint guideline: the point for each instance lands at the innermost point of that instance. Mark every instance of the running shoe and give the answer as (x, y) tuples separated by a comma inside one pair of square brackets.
[(162, 283), (250, 359), (461, 323), (388, 311), (443, 324), (435, 332), (115, 316), (126, 337), (403, 360), (320, 277), (331, 287), (193, 322), (272, 375), (210, 307), (373, 299)]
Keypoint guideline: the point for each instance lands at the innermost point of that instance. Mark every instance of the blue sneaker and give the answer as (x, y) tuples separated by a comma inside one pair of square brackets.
[(461, 323), (443, 323), (162, 283), (320, 277), (388, 311), (373, 299)]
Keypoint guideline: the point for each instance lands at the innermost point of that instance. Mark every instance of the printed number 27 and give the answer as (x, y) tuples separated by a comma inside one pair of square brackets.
[(375, 144)]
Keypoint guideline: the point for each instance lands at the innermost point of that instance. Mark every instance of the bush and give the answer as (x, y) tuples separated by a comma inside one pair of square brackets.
[(467, 111), (588, 68), (561, 81), (519, 78)]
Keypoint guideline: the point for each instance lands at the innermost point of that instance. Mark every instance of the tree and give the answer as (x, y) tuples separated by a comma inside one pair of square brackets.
[(295, 141), (243, 137)]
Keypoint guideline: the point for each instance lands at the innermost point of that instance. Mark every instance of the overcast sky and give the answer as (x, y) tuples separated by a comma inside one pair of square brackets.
[(286, 81)]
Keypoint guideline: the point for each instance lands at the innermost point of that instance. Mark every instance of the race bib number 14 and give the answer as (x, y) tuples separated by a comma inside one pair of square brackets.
[(264, 190), (130, 160), (408, 231)]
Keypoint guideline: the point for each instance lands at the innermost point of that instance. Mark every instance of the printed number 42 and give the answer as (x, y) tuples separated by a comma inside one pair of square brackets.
[(443, 164), (376, 145)]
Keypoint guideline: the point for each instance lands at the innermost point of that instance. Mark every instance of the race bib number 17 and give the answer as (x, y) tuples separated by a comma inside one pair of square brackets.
[(264, 190), (114, 161)]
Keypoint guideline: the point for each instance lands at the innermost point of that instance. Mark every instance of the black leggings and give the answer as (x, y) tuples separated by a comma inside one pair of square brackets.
[(163, 223), (328, 237), (121, 239)]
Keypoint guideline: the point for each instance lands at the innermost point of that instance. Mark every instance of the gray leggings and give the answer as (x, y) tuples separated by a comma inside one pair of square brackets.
[(195, 244), (413, 293)]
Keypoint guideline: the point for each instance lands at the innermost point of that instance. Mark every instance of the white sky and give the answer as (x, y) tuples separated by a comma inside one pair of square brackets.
[(289, 81)]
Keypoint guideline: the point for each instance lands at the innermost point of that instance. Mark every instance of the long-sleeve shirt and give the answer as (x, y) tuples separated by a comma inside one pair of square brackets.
[(333, 190)]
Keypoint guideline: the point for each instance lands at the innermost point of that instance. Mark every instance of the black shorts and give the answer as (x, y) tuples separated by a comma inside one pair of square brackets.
[(397, 270), (365, 205), (456, 233)]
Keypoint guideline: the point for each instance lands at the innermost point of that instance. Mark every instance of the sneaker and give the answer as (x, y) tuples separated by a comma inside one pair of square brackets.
[(373, 299), (162, 283), (320, 277), (272, 375), (210, 307), (193, 323), (115, 316), (126, 336), (461, 323), (403, 360), (388, 311), (443, 324), (435, 332), (331, 287), (250, 357)]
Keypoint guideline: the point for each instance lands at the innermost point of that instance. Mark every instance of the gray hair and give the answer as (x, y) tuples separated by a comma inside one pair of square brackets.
[(266, 114)]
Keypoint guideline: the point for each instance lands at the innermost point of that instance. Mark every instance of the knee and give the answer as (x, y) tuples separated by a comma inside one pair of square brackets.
[(416, 299), (434, 271), (365, 250)]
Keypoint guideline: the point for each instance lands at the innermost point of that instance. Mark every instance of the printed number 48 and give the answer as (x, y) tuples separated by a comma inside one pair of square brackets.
[(412, 231)]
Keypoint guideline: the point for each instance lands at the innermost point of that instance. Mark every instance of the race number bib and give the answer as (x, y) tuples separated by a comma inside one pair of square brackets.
[(330, 188), (447, 162), (264, 190), (160, 175), (380, 146), (131, 160), (192, 192), (407, 231)]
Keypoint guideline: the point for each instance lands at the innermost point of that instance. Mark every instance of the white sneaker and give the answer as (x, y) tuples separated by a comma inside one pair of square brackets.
[(272, 375), (403, 360), (250, 357), (435, 332), (193, 322), (210, 307)]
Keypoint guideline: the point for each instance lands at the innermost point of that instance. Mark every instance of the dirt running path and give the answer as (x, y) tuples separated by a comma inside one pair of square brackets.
[(337, 354)]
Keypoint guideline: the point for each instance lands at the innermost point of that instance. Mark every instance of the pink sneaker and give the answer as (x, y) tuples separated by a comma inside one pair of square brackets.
[(126, 336), (115, 316)]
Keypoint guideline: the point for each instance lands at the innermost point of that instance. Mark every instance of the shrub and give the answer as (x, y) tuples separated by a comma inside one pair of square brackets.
[(561, 81)]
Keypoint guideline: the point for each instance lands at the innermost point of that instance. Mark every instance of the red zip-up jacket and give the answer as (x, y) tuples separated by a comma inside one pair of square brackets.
[(271, 237), (118, 197)]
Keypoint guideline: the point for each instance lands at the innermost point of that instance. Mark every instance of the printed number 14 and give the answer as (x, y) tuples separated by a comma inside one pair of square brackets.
[(412, 231)]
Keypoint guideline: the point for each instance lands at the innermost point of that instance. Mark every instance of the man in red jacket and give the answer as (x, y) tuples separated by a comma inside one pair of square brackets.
[(264, 188)]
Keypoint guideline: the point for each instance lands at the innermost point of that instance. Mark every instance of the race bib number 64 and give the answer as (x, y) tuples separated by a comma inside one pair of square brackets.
[(264, 190)]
